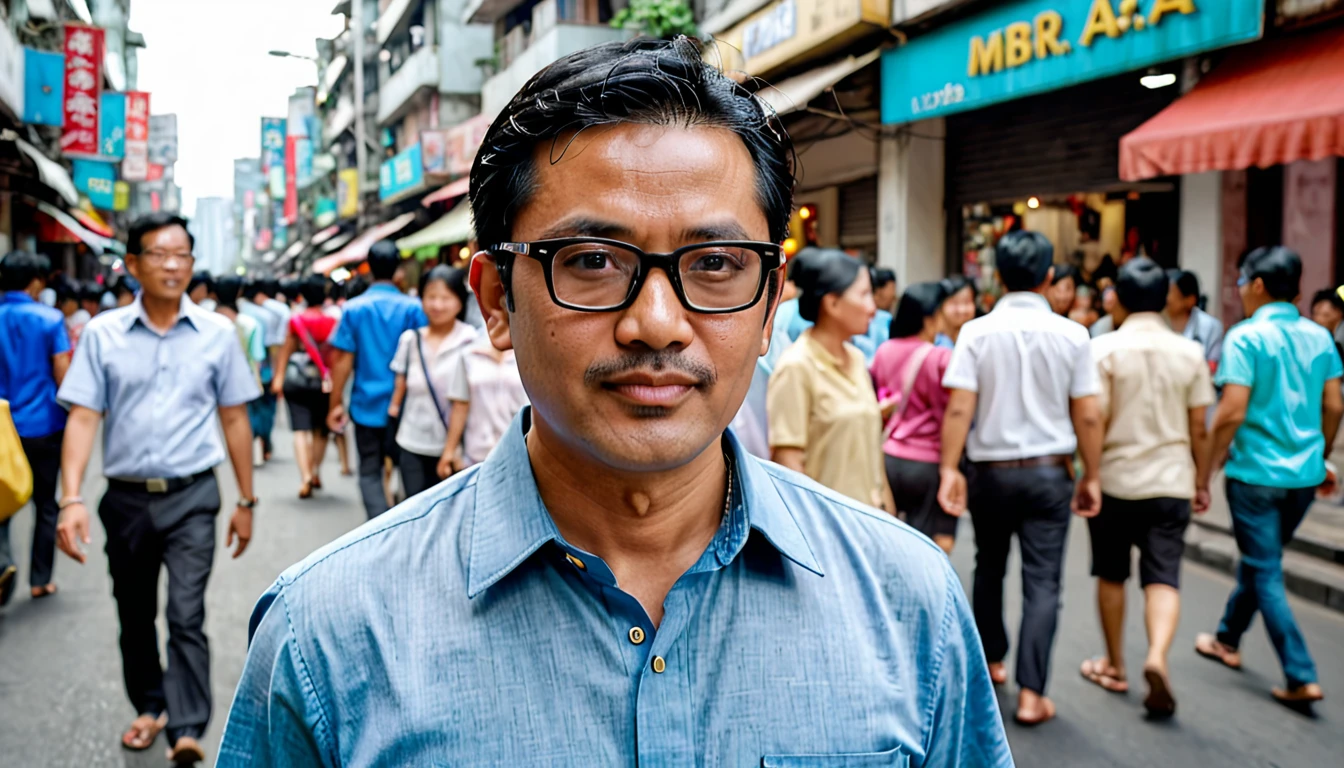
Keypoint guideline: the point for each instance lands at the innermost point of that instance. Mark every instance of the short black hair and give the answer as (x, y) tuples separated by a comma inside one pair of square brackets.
[(20, 268), (955, 284), (1186, 282), (883, 277), (66, 290), (152, 222), (201, 278), (1330, 295), (291, 289), (126, 286), (1064, 272), (826, 271), (384, 258), (252, 287), (1023, 259), (271, 287), (227, 289), (919, 301), (642, 81), (1142, 286), (454, 278), (92, 290), (1279, 267), (313, 289)]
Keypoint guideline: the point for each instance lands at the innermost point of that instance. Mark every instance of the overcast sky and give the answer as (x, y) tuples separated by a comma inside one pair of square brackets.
[(206, 60)]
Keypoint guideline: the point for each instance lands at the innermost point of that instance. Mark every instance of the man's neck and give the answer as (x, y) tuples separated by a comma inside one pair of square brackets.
[(649, 527), (1179, 320), (162, 313)]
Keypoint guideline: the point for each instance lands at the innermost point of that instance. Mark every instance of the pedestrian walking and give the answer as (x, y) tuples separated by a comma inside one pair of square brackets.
[(424, 363), (1279, 414), (1026, 377), (486, 392), (251, 335), (958, 309), (825, 421), (879, 328), (619, 499), (164, 373), (261, 412), (1187, 319), (123, 293), (1063, 292), (908, 374), (1327, 311), (34, 357), (365, 342), (201, 290), (1155, 387), (305, 381)]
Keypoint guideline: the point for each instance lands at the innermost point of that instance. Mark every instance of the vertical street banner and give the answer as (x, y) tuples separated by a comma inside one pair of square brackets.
[(273, 155), (347, 193), (121, 196), (135, 166), (163, 139), (83, 87), (97, 179), (291, 179), (43, 87), (112, 126)]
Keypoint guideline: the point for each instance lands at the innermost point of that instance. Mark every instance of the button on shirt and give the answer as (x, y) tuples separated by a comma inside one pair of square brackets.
[(159, 393), (422, 429), (506, 645), (495, 391), (31, 334), (371, 327), (1150, 379), (1026, 363), (1286, 360)]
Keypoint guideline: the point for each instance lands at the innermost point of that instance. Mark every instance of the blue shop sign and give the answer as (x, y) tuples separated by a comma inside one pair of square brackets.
[(97, 180), (1031, 46), (402, 173)]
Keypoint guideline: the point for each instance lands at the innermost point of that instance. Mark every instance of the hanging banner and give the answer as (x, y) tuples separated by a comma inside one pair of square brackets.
[(83, 86), (291, 179), (11, 71), (324, 212), (273, 155), (43, 87), (347, 193), (121, 196), (402, 174), (112, 126), (163, 139), (96, 179), (136, 165)]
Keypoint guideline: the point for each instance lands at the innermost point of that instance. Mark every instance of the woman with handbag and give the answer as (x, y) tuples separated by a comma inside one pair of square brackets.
[(424, 362), (908, 373), (304, 381)]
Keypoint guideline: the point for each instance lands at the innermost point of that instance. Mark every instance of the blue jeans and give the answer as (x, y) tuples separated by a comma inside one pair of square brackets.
[(261, 414), (1263, 520)]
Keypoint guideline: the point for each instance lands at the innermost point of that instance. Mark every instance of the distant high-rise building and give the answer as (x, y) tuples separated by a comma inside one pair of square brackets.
[(216, 240)]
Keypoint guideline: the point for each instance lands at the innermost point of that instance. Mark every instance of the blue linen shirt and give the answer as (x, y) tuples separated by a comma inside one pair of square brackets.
[(879, 330), (1208, 331), (1286, 360), (461, 629), (159, 393), (370, 328), (31, 334)]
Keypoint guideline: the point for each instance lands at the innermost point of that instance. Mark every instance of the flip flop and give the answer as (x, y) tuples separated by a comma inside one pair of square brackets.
[(1160, 703), (1101, 672), (187, 751), (144, 731), (1207, 645), (1049, 707), (46, 590), (317, 483), (998, 673)]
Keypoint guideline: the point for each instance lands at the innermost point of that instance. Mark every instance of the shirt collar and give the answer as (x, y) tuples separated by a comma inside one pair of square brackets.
[(383, 288), (1144, 321), (18, 297), (1023, 300), (510, 523), (184, 314), (1277, 309)]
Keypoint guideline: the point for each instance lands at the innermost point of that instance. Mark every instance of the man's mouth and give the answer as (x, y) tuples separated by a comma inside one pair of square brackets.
[(663, 389)]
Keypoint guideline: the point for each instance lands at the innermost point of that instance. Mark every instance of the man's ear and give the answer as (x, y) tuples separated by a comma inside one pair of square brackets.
[(778, 279), (491, 296)]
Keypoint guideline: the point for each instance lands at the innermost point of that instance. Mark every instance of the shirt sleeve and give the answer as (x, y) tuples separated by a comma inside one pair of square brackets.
[(965, 727), (58, 337), (788, 405), (1213, 345), (962, 370), (1336, 368), (344, 339), (234, 384), (276, 719), (1238, 364), (399, 359), (1201, 390), (256, 345), (459, 387), (1104, 383), (1085, 380), (85, 383)]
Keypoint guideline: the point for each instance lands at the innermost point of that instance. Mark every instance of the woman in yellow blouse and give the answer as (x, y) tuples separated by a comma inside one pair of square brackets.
[(825, 420)]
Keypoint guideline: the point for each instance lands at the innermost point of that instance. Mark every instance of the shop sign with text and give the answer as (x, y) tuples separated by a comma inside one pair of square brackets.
[(452, 151), (83, 89), (98, 180), (1030, 46), (786, 30), (112, 131), (402, 173), (347, 192), (135, 167)]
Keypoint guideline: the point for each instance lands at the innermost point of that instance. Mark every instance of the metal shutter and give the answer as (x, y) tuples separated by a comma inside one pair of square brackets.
[(858, 214)]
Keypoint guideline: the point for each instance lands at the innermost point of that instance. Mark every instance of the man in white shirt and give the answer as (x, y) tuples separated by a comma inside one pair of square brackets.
[(1026, 377)]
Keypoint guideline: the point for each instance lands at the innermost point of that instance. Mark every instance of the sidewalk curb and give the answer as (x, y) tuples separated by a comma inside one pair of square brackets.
[(1305, 575)]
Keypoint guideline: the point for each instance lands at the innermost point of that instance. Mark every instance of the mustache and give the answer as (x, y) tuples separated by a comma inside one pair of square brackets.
[(656, 360)]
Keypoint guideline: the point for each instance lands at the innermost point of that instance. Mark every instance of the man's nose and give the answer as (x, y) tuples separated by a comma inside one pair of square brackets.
[(656, 319)]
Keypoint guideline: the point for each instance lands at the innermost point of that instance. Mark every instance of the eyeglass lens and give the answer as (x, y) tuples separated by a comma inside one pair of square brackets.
[(598, 275)]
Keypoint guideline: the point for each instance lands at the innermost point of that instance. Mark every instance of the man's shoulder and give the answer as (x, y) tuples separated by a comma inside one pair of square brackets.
[(108, 321), (210, 322)]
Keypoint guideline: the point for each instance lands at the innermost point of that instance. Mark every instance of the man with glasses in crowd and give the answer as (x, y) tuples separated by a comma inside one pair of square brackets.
[(620, 582), (163, 374)]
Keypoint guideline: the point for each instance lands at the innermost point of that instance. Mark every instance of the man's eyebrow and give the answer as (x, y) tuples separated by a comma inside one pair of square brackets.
[(587, 227), (704, 233)]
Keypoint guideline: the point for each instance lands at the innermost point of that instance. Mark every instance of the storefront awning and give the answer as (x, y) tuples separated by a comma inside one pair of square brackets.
[(1266, 105), (447, 192), (96, 242), (359, 247), (794, 94), (52, 173), (454, 227)]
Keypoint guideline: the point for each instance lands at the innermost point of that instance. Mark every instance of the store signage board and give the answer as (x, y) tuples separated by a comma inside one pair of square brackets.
[(1032, 46), (135, 167), (786, 30), (83, 89), (97, 180), (402, 173), (347, 193)]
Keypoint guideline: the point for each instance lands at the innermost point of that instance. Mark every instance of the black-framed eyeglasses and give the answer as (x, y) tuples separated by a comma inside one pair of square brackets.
[(592, 274)]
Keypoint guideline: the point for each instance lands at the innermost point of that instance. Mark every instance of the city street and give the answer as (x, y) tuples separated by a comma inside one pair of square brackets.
[(61, 690)]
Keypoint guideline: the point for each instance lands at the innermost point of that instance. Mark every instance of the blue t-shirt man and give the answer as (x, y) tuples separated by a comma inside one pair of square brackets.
[(370, 327), (31, 334)]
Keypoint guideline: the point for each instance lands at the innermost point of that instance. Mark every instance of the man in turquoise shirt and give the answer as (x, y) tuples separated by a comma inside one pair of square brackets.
[(1280, 411)]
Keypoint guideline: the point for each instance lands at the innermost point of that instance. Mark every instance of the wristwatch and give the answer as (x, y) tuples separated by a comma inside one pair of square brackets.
[(248, 503)]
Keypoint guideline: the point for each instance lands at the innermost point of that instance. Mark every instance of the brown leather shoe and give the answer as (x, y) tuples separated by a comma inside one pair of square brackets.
[(187, 751), (1302, 694)]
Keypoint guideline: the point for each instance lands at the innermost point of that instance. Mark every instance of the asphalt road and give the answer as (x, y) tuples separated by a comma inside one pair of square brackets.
[(62, 703)]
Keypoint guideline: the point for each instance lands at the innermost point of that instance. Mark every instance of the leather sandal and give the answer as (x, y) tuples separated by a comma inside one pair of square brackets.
[(144, 731)]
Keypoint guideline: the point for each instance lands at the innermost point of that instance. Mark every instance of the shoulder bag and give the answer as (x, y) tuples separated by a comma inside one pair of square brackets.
[(16, 476), (305, 371), (912, 368), (429, 382)]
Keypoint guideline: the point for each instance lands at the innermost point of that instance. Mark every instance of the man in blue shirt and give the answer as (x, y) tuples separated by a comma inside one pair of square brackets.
[(34, 356), (620, 583), (261, 412), (163, 375), (1280, 412), (365, 343)]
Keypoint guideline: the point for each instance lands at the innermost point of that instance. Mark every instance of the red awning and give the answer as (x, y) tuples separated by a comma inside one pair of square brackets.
[(456, 189), (359, 247), (1265, 105)]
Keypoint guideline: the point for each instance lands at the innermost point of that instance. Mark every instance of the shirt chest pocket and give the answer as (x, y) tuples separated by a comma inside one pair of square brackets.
[(893, 758)]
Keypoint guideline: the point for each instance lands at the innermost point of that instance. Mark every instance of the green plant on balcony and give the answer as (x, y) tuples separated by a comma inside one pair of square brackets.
[(657, 18)]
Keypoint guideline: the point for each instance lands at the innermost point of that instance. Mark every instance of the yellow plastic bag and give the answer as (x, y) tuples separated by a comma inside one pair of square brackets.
[(16, 477)]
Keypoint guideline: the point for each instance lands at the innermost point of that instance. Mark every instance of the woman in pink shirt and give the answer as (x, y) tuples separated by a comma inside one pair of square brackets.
[(908, 374)]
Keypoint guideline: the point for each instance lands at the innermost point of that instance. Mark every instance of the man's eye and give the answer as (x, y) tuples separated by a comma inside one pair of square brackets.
[(589, 260)]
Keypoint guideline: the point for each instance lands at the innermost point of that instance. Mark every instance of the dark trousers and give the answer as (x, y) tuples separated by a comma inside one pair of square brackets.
[(261, 415), (418, 472), (1263, 521), (1033, 504), (44, 456), (146, 532), (373, 446)]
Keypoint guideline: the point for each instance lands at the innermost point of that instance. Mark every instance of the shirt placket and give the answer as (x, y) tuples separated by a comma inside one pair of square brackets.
[(161, 403)]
